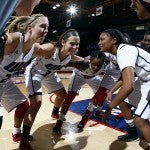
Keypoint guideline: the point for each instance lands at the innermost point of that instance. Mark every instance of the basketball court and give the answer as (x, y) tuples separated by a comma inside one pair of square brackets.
[(95, 135)]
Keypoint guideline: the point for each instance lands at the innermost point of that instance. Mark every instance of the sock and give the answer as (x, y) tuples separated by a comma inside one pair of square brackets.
[(16, 130), (130, 122), (99, 96), (86, 116), (26, 131), (67, 102), (55, 110)]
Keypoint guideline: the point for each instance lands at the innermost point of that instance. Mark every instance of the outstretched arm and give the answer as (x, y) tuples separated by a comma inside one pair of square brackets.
[(44, 50)]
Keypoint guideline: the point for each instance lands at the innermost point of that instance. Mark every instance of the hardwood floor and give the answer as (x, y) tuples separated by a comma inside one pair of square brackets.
[(95, 136)]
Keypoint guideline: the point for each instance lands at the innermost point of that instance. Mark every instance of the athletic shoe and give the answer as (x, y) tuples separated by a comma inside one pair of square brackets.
[(130, 136), (55, 116), (80, 125), (119, 116), (57, 127), (25, 145), (98, 114), (30, 138), (16, 137)]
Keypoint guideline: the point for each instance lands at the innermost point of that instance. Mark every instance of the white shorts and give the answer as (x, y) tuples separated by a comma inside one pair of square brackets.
[(143, 108), (134, 98), (108, 81), (77, 81), (10, 95), (140, 98), (34, 82)]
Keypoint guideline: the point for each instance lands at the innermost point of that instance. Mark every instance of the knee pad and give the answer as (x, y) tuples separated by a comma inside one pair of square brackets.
[(99, 96), (21, 109)]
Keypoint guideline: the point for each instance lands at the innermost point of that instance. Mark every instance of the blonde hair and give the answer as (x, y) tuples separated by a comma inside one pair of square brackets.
[(20, 23)]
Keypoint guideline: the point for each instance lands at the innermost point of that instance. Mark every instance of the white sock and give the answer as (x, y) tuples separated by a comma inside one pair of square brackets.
[(16, 130), (130, 122)]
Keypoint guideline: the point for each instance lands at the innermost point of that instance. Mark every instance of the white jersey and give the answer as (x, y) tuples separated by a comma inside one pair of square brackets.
[(14, 61), (87, 76), (48, 66), (112, 72), (88, 72), (139, 59), (45, 70), (128, 55)]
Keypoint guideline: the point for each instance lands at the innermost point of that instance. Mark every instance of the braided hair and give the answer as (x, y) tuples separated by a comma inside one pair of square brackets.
[(98, 54)]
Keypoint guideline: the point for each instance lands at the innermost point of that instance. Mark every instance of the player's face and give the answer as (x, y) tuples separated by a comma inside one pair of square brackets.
[(71, 46), (139, 9), (95, 64), (40, 29), (105, 43), (146, 41)]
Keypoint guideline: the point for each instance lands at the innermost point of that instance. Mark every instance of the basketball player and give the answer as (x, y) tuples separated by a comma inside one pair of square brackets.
[(24, 7), (19, 49), (136, 60), (44, 69), (80, 76)]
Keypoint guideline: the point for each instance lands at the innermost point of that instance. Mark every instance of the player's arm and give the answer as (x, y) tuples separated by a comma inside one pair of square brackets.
[(44, 50), (126, 88)]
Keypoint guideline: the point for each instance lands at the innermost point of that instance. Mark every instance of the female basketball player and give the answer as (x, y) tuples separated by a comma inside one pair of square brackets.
[(136, 61), (44, 69), (18, 49), (80, 76)]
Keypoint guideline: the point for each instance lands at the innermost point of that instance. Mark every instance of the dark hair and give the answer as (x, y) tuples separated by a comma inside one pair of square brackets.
[(98, 54), (146, 5), (114, 33), (65, 36), (127, 37)]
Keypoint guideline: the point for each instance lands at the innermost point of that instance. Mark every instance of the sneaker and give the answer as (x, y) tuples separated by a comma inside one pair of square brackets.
[(98, 114), (57, 127), (55, 116), (16, 137), (80, 125), (25, 145), (30, 138), (119, 116), (130, 136)]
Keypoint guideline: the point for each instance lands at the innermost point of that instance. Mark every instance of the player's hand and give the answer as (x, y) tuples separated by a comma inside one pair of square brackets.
[(107, 114), (109, 97)]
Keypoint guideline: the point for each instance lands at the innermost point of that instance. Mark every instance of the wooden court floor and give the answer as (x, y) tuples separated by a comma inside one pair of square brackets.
[(97, 137)]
